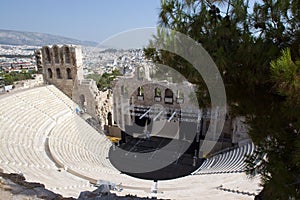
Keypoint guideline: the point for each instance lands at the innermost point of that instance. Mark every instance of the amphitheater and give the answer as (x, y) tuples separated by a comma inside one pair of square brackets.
[(43, 138)]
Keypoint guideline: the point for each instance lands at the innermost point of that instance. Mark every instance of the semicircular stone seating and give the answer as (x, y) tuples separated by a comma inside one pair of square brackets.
[(25, 120), (42, 138), (83, 151), (219, 172)]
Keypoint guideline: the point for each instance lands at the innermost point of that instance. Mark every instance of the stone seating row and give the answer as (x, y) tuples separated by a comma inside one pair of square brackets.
[(85, 149), (56, 92), (227, 162), (25, 122)]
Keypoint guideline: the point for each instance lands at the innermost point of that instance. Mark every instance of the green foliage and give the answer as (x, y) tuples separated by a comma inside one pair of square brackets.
[(105, 80), (10, 78), (286, 74), (95, 77), (261, 84)]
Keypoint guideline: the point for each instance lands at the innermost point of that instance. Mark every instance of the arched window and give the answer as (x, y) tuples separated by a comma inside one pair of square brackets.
[(140, 94), (109, 118), (168, 96), (157, 94), (49, 73), (140, 91), (180, 96), (69, 74), (67, 55), (61, 55), (47, 55), (58, 73), (56, 55)]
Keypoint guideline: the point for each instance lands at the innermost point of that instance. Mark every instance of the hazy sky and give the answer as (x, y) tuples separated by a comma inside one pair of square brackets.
[(93, 20)]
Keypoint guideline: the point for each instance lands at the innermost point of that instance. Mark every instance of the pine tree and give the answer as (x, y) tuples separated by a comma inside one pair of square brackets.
[(261, 76)]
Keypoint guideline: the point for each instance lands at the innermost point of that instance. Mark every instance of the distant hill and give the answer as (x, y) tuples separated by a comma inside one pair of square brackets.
[(10, 37)]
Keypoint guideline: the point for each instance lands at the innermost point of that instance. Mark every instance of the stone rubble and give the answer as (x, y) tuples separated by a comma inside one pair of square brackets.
[(15, 187)]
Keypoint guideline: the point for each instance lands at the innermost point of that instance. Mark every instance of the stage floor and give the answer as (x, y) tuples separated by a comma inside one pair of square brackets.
[(138, 153)]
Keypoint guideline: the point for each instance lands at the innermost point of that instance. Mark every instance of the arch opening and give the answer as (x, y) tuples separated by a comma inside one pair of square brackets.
[(168, 96), (56, 56), (67, 55), (179, 96), (49, 73), (140, 94), (157, 94), (109, 118), (47, 52), (69, 73), (58, 73)]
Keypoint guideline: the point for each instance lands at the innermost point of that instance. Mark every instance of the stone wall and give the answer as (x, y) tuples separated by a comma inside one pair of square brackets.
[(61, 66), (140, 90), (96, 103), (240, 130), (144, 91)]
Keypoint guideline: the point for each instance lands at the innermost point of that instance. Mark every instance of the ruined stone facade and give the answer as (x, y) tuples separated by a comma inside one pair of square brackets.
[(96, 103), (146, 92), (61, 66), (136, 96)]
